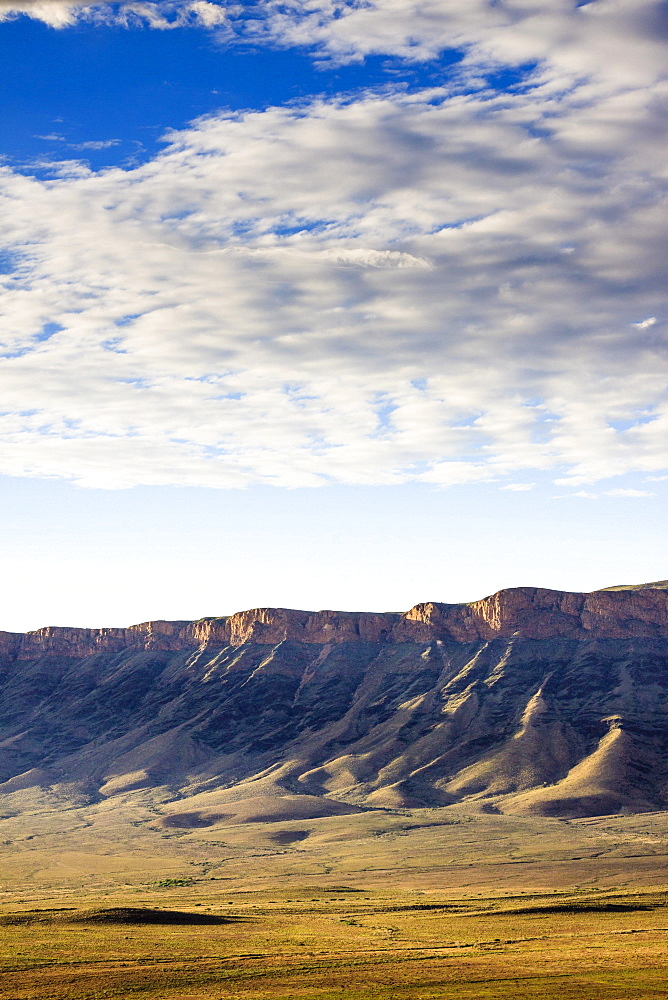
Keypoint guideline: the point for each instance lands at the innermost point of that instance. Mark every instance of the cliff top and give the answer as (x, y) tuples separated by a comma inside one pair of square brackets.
[(531, 612)]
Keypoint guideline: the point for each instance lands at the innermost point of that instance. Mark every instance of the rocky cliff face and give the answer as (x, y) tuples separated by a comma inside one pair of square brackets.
[(529, 701), (528, 612)]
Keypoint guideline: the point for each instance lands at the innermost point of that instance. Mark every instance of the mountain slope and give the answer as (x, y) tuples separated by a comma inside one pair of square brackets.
[(531, 701)]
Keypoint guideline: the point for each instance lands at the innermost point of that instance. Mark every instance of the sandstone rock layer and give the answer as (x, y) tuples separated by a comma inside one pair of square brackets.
[(530, 612)]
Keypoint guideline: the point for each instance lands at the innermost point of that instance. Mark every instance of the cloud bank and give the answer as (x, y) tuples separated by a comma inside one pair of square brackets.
[(444, 286)]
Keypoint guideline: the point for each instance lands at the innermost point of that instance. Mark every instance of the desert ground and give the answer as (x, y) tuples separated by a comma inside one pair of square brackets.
[(386, 904)]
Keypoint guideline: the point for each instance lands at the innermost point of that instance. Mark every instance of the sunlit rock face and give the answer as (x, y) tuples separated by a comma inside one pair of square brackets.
[(527, 612), (530, 701)]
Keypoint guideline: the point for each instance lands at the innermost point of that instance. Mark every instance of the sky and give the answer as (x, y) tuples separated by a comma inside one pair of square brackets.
[(329, 303)]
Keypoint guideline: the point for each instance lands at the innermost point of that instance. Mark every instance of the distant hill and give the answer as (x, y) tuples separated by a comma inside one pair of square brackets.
[(529, 702)]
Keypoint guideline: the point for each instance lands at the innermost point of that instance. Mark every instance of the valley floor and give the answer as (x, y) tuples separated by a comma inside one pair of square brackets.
[(330, 943), (438, 903)]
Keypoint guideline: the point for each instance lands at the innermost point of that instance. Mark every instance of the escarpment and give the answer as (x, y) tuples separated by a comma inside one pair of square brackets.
[(530, 701), (529, 612)]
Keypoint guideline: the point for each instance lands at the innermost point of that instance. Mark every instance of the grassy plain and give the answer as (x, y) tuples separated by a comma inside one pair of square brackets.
[(405, 905)]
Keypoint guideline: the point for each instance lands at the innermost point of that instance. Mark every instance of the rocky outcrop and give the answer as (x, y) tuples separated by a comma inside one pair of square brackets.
[(544, 614), (529, 612), (79, 642)]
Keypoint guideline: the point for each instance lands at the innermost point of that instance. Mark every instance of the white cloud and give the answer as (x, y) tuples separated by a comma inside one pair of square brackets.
[(519, 487), (363, 291), (630, 493), (164, 15), (606, 40), (95, 144), (646, 323), (58, 15), (210, 15)]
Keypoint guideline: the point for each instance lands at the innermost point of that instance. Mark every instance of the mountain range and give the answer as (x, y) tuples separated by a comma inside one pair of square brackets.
[(530, 702)]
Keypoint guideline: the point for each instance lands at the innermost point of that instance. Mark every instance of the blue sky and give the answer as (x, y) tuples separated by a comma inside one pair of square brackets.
[(128, 86), (326, 304)]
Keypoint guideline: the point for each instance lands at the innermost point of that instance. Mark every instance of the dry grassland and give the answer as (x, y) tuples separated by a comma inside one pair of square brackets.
[(325, 944), (389, 906)]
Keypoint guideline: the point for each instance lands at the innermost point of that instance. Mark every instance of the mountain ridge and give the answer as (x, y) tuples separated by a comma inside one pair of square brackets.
[(529, 702), (533, 612)]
